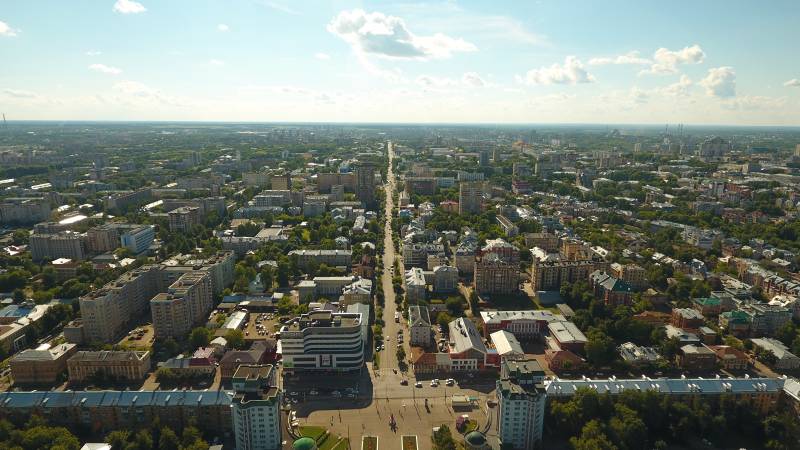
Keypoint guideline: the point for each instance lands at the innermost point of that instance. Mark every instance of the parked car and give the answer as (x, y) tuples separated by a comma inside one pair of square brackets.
[(418, 384)]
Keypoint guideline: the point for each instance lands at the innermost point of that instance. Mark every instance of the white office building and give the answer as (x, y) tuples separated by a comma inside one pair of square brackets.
[(323, 340)]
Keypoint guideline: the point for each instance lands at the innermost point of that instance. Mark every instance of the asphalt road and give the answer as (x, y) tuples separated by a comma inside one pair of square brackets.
[(388, 358)]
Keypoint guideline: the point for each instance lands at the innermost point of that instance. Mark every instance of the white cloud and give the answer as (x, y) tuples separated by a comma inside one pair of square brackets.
[(794, 82), (628, 58), (282, 8), (387, 36), (16, 93), (129, 7), (667, 61), (473, 79), (322, 56), (679, 89), (6, 30), (430, 81), (223, 28), (467, 80), (755, 103), (93, 53), (105, 69), (638, 96), (572, 72), (720, 82), (216, 62)]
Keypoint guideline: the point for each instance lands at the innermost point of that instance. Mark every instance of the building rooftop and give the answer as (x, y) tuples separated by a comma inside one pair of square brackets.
[(505, 343), (496, 317), (566, 332), (464, 336), (558, 387)]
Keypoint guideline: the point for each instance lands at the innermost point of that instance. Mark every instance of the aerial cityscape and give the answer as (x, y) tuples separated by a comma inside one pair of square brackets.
[(400, 226)]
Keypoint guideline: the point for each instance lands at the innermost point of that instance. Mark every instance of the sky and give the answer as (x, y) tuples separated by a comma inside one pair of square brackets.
[(731, 62)]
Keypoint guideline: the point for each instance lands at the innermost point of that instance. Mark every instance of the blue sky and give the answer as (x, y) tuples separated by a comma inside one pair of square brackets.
[(710, 62)]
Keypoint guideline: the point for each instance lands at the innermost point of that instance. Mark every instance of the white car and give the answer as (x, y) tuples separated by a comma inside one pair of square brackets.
[(418, 384), (450, 382), (434, 383)]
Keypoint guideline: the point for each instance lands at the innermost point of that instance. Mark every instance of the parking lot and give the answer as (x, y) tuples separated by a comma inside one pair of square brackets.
[(140, 338), (260, 325)]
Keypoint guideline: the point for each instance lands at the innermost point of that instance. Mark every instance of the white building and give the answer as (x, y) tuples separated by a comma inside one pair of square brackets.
[(521, 398), (419, 324), (415, 285), (323, 340), (138, 239), (256, 408)]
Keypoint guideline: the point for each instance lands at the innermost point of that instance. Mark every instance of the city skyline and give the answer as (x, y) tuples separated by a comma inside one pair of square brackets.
[(437, 62)]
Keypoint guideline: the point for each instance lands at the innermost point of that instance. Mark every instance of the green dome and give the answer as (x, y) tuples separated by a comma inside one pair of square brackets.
[(475, 438), (304, 443)]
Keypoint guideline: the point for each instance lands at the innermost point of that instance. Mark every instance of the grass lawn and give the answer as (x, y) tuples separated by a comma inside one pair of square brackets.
[(331, 442), (313, 432), (510, 301), (369, 443)]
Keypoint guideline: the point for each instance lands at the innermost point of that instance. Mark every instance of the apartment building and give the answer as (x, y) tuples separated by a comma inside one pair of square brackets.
[(633, 274), (506, 251), (256, 179), (470, 197), (547, 241), (465, 257), (419, 325), (282, 182), (24, 210), (550, 275), (256, 408), (323, 341), (42, 365), (416, 289), (138, 239), (107, 312), (333, 258), (508, 226), (613, 291), (106, 411), (120, 365), (185, 304), (65, 244), (493, 275), (365, 184), (103, 238), (445, 279), (521, 398), (326, 181), (182, 220)]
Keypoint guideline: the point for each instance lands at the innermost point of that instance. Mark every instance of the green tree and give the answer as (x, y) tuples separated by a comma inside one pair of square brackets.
[(235, 339), (592, 437), (442, 439), (200, 337), (600, 349)]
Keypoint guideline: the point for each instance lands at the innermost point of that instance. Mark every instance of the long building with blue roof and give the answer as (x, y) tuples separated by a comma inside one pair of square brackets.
[(112, 410)]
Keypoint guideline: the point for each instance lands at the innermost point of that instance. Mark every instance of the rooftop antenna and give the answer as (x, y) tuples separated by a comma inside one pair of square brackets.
[(5, 124)]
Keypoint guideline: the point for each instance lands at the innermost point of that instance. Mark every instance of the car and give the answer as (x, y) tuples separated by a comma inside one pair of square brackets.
[(403, 382), (399, 344), (450, 382), (313, 392), (418, 384), (434, 383), (336, 393)]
